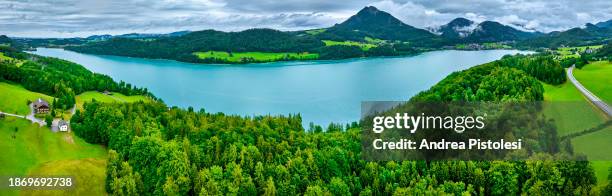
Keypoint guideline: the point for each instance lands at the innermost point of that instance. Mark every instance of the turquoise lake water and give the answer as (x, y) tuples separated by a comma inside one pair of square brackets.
[(321, 91)]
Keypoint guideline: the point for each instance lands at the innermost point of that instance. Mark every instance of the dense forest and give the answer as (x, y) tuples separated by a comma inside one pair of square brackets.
[(155, 150), (59, 78), (260, 40)]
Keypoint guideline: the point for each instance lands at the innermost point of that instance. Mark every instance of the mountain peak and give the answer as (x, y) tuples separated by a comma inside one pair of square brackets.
[(460, 22), (368, 10), (372, 16), (372, 22), (457, 28)]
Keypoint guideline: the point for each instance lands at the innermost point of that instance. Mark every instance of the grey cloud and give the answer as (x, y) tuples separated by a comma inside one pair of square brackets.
[(67, 18)]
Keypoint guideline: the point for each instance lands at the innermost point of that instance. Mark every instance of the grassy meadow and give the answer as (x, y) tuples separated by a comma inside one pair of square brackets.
[(33, 150), (316, 31), (13, 98), (571, 111), (6, 58), (237, 57), (100, 97), (593, 145), (597, 77), (363, 46)]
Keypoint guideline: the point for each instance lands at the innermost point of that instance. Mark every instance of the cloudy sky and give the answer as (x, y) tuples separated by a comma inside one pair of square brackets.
[(70, 18)]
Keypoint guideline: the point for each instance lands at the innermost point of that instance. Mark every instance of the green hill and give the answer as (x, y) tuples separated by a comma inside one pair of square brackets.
[(14, 98), (33, 150)]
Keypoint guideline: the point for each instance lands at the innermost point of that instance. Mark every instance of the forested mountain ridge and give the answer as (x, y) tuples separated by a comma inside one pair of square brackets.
[(389, 35), (466, 31), (589, 35), (384, 34), (181, 47), (457, 28), (604, 24)]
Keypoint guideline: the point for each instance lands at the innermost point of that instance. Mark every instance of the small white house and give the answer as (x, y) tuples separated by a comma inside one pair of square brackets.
[(62, 125)]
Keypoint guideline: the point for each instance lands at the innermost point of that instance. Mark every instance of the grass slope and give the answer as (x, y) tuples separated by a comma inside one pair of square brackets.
[(593, 145), (257, 56), (13, 98), (91, 176), (571, 111), (363, 46), (597, 77), (27, 150), (100, 97)]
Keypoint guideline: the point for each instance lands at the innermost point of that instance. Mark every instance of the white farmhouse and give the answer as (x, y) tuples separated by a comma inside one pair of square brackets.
[(62, 125)]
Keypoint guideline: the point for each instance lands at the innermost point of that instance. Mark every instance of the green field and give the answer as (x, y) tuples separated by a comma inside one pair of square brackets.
[(363, 46), (571, 111), (115, 97), (237, 57), (13, 98), (33, 150), (315, 31), (493, 45), (597, 77), (91, 175), (6, 58), (374, 40), (594, 146)]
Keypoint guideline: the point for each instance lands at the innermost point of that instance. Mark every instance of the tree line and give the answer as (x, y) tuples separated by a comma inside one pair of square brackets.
[(181, 48)]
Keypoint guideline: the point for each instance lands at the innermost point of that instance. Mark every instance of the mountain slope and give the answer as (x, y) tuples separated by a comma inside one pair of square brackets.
[(374, 23), (457, 28), (589, 35), (490, 31), (605, 24), (461, 30)]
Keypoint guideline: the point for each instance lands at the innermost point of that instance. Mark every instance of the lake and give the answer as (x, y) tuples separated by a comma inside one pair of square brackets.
[(321, 91)]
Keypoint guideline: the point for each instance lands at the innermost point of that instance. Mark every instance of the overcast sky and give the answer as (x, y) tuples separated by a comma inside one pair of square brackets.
[(71, 18)]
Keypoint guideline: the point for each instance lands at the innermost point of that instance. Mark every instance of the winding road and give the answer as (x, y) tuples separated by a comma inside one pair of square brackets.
[(590, 96)]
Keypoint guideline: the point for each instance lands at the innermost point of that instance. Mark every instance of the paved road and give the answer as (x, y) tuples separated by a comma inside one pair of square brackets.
[(33, 118), (594, 99), (29, 117), (15, 115)]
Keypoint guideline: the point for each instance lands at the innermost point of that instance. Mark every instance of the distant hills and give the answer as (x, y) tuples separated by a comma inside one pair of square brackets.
[(605, 24), (137, 35), (456, 29), (589, 35), (370, 32), (464, 30)]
